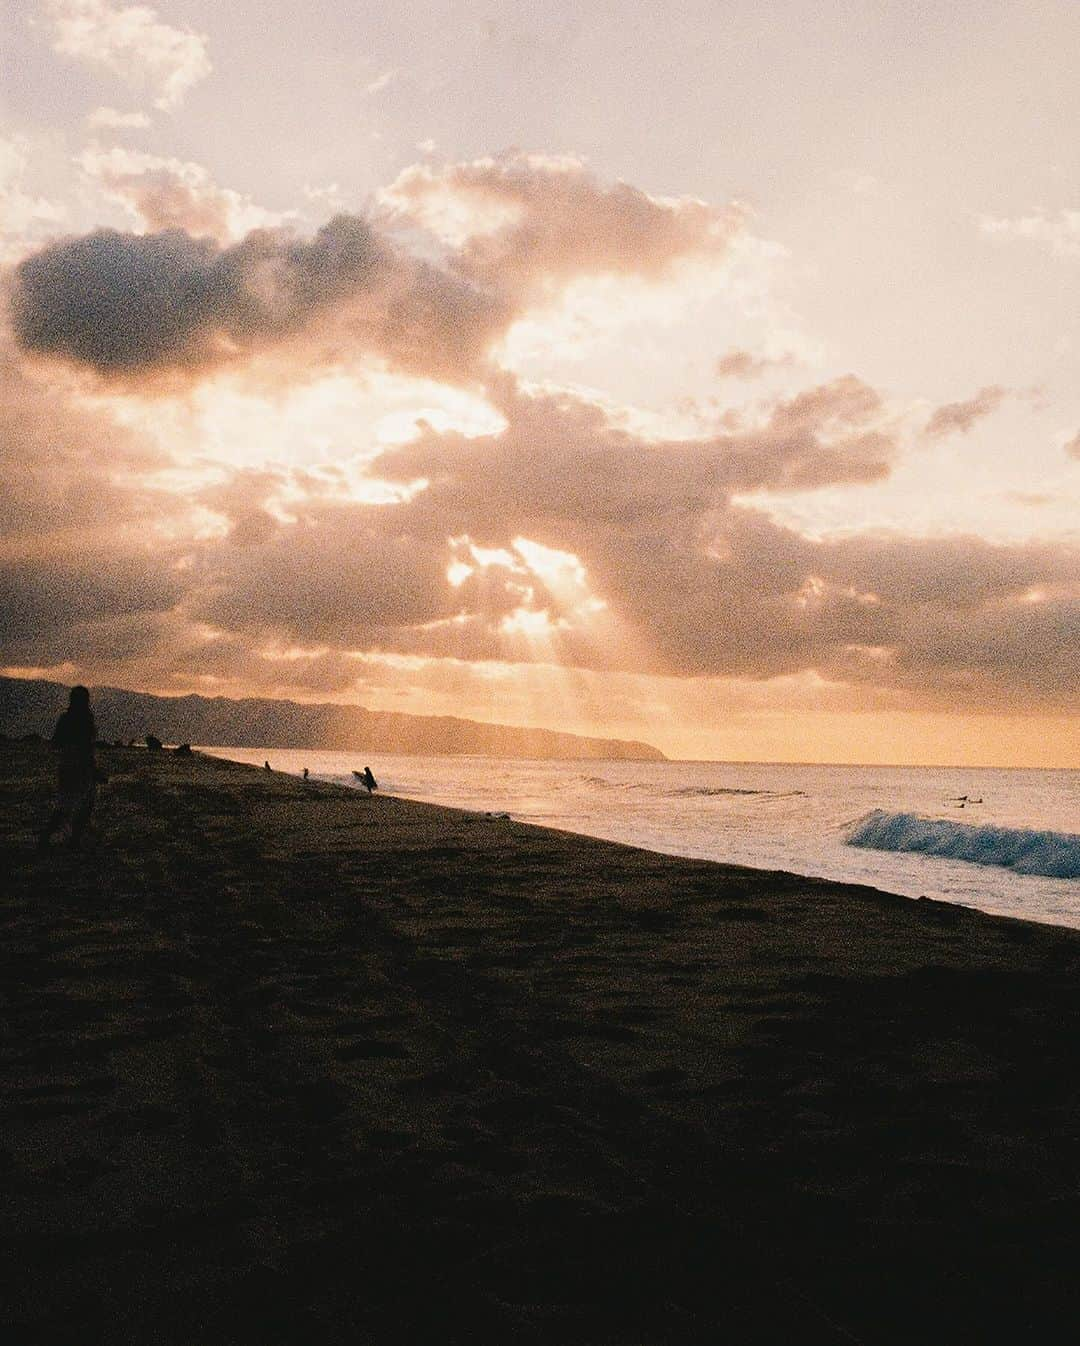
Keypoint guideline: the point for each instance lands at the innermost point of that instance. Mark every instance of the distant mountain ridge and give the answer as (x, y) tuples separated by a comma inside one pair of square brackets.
[(31, 705)]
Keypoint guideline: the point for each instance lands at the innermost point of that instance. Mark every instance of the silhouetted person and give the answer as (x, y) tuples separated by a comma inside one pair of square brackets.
[(76, 774), (369, 780), (153, 743), (267, 766), (305, 773)]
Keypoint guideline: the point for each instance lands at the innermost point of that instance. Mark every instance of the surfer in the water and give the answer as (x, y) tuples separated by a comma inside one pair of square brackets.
[(369, 780)]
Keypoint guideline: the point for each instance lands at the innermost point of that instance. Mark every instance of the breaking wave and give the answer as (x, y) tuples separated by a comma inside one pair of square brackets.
[(1053, 854)]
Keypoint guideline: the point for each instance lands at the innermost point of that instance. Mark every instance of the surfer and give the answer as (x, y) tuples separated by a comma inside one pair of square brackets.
[(369, 780)]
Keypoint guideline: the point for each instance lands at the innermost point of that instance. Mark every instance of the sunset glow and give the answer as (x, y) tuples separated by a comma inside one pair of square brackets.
[(745, 424)]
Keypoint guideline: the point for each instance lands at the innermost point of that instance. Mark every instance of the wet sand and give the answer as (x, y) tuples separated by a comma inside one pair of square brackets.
[(284, 1064)]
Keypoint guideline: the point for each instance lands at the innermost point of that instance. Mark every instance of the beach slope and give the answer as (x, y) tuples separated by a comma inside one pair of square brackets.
[(281, 1063)]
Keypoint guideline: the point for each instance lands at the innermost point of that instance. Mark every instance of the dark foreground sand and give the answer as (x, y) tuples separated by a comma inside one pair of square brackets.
[(283, 1064)]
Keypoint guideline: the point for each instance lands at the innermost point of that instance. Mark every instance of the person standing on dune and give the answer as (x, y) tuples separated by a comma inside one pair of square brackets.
[(76, 774)]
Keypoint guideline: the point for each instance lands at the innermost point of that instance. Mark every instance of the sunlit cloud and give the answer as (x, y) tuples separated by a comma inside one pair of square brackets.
[(132, 42), (110, 119), (382, 81), (26, 216), (163, 193), (520, 444), (1059, 233)]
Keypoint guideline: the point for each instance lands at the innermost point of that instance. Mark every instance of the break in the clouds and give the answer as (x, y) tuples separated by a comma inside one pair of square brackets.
[(561, 538), (132, 42)]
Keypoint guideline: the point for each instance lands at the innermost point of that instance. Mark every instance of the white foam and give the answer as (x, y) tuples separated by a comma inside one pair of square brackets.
[(1053, 854)]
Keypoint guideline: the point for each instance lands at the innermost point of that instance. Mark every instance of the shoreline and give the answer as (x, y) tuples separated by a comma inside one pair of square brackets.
[(290, 1064), (996, 863)]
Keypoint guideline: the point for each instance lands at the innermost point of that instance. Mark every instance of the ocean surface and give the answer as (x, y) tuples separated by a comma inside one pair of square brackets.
[(1003, 840)]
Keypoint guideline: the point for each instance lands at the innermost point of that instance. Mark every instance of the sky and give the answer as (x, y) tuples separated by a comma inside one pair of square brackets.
[(700, 373)]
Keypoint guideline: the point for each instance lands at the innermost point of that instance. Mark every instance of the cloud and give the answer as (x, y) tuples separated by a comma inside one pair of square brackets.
[(620, 554), (84, 543), (52, 481), (133, 43), (557, 536), (740, 364), (528, 223), (712, 589), (136, 306), (1060, 233), (1072, 447), (172, 302), (382, 82), (109, 119), (24, 215), (163, 193), (959, 417)]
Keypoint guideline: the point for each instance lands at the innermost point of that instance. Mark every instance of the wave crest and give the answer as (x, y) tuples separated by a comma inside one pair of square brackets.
[(1055, 855)]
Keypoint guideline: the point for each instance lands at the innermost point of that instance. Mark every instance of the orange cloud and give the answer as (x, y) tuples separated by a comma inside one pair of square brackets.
[(551, 533), (959, 417), (526, 222)]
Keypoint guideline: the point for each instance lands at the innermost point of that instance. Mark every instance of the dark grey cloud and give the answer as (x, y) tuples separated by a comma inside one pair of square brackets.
[(137, 305)]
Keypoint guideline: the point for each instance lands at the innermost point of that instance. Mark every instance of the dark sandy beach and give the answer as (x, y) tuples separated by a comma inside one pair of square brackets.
[(285, 1064)]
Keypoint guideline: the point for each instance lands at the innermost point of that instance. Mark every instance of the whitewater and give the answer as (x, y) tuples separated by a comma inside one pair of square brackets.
[(1006, 841)]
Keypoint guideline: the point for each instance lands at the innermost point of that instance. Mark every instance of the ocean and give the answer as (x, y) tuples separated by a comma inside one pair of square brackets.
[(1006, 841)]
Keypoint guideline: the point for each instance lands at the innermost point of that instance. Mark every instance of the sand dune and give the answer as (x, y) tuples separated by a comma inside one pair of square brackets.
[(284, 1063)]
